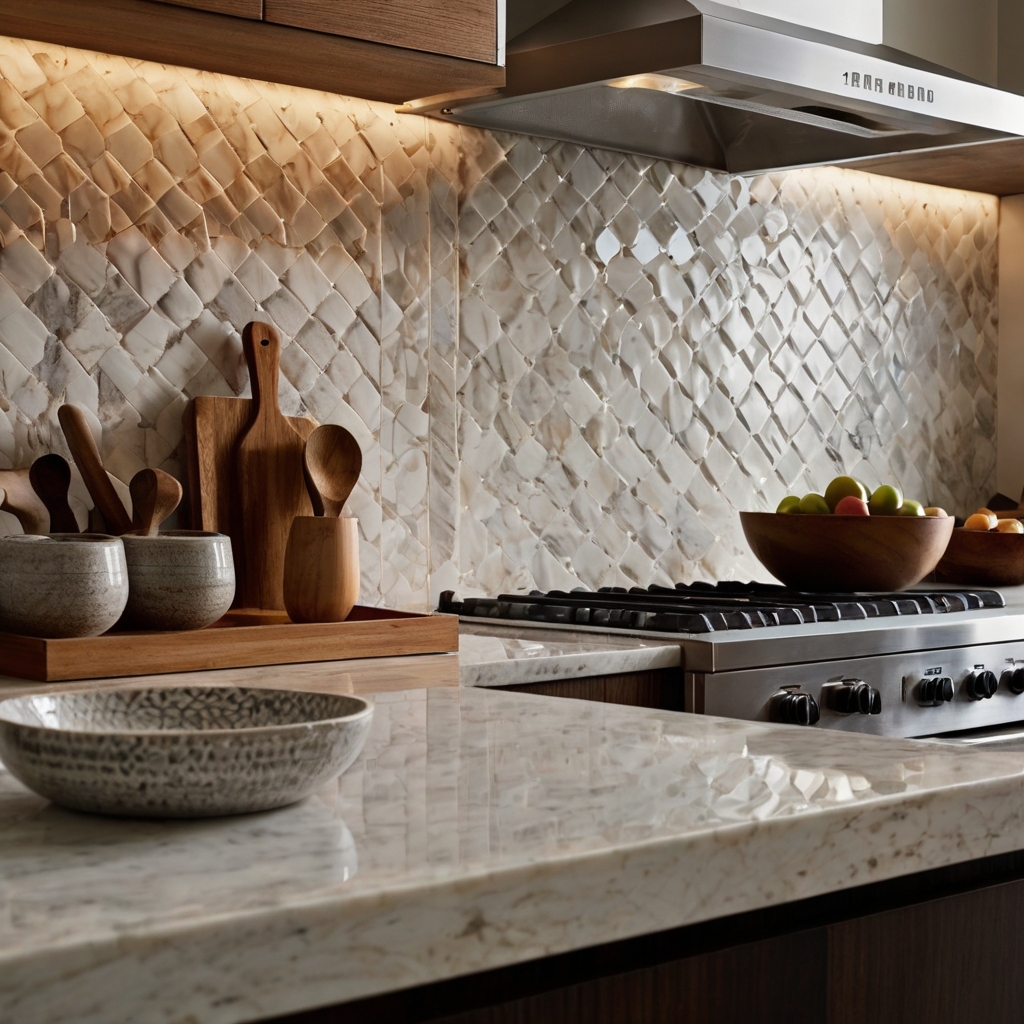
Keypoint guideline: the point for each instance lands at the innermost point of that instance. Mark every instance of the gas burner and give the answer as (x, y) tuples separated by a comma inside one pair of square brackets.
[(701, 608)]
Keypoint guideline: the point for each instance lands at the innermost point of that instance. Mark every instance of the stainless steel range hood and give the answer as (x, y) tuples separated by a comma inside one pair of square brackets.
[(718, 87)]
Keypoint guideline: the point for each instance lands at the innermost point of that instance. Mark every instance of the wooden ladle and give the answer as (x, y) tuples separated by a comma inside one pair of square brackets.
[(331, 462), (155, 495), (50, 476)]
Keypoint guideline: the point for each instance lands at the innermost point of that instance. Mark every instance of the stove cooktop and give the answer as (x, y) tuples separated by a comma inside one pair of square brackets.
[(701, 608)]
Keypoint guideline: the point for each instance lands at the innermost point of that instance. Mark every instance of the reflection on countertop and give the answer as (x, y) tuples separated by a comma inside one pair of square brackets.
[(478, 828)]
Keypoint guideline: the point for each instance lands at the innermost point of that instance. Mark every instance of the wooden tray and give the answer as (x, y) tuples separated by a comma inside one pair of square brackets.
[(241, 639)]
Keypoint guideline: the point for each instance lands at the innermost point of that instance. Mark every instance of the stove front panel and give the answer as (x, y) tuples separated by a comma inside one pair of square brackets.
[(909, 686)]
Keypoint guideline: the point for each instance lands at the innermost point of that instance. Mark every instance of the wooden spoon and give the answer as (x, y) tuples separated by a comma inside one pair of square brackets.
[(23, 502), (155, 495), (87, 458), (331, 462), (50, 476)]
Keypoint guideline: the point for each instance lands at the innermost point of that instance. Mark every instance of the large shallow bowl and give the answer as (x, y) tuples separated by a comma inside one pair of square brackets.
[(983, 558), (180, 752), (847, 553)]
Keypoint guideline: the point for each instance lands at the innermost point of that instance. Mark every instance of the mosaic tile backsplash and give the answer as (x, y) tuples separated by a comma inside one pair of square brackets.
[(562, 365)]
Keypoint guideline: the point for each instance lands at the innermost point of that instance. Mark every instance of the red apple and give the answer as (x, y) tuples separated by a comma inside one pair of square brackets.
[(852, 506)]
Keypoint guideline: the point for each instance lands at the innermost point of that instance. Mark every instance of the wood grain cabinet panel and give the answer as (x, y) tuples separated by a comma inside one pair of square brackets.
[(239, 8), (212, 41), (456, 28)]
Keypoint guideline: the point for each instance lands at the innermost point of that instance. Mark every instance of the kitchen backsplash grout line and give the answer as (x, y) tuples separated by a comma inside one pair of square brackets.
[(563, 365)]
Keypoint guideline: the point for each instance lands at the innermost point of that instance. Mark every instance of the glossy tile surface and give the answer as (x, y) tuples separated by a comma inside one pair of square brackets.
[(562, 365), (478, 828)]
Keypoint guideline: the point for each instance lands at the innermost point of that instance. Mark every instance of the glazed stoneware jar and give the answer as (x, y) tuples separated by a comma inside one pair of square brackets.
[(63, 585), (182, 579)]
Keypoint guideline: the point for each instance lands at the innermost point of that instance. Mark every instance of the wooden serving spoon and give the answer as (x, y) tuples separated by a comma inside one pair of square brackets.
[(50, 476), (87, 458), (155, 495), (23, 502), (331, 462)]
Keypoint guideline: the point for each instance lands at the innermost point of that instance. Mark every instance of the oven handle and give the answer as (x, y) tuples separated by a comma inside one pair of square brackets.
[(1007, 737)]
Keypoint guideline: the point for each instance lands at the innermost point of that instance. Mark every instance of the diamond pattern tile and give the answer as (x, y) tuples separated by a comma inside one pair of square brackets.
[(561, 365)]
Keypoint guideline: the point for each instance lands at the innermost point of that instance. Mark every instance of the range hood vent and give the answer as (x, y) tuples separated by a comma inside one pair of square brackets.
[(718, 87)]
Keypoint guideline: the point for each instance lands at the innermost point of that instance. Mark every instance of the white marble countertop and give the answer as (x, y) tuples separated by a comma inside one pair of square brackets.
[(479, 828), (504, 656)]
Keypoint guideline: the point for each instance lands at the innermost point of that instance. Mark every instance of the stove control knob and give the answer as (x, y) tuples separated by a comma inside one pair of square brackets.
[(791, 707), (1013, 681), (932, 691), (854, 696), (981, 685)]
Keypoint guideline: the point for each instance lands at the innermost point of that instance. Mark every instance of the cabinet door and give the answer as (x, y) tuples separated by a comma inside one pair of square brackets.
[(458, 28), (239, 8)]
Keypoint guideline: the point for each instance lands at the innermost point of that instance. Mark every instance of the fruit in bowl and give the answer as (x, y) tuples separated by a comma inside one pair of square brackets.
[(986, 551), (848, 539)]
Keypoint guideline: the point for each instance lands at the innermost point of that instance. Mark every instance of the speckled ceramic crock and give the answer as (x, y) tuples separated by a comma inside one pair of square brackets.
[(182, 579), (180, 752), (63, 585)]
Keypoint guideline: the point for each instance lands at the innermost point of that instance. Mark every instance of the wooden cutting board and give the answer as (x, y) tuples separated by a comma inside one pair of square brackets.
[(271, 485), (214, 427)]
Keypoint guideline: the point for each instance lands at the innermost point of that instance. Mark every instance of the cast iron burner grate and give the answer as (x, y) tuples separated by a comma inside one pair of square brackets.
[(709, 607)]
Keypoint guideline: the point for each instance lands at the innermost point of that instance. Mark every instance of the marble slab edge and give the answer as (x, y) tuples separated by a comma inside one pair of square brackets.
[(256, 964), (549, 668)]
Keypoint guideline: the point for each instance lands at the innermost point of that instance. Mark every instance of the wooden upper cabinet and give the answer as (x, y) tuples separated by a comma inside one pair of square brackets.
[(456, 28), (239, 8), (200, 34)]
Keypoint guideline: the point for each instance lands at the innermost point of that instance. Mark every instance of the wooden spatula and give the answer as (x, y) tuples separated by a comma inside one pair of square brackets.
[(50, 476), (155, 495), (271, 488), (23, 502), (87, 458)]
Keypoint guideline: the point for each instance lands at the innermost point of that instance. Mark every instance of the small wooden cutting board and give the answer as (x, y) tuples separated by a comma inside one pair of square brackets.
[(214, 427), (271, 485)]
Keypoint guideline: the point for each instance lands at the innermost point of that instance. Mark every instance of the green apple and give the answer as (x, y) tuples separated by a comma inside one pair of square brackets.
[(885, 500), (789, 505), (910, 508), (814, 505), (844, 487)]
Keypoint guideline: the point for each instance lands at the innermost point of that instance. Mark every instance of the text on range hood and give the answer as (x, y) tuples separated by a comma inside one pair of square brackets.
[(718, 87)]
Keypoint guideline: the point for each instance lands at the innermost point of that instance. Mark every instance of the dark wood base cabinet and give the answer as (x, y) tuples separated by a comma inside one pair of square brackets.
[(657, 688), (943, 947)]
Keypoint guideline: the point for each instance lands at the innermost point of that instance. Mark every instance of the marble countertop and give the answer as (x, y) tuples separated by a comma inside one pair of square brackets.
[(479, 828), (504, 656)]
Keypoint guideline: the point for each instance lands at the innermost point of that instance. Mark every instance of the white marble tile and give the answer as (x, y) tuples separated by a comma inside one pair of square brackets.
[(569, 366)]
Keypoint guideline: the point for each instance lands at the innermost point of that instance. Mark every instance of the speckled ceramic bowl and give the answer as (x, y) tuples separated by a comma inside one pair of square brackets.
[(64, 585), (180, 752), (182, 579)]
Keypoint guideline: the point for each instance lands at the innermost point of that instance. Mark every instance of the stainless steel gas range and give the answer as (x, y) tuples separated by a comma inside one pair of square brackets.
[(924, 662)]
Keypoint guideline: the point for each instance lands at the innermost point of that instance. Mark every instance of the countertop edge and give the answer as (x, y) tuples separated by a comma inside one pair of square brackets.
[(285, 959)]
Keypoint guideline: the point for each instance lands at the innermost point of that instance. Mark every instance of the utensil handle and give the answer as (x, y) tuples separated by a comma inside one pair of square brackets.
[(87, 457), (262, 349)]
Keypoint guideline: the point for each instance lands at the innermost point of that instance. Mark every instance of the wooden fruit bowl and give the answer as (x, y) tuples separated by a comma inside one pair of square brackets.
[(985, 559), (847, 553)]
